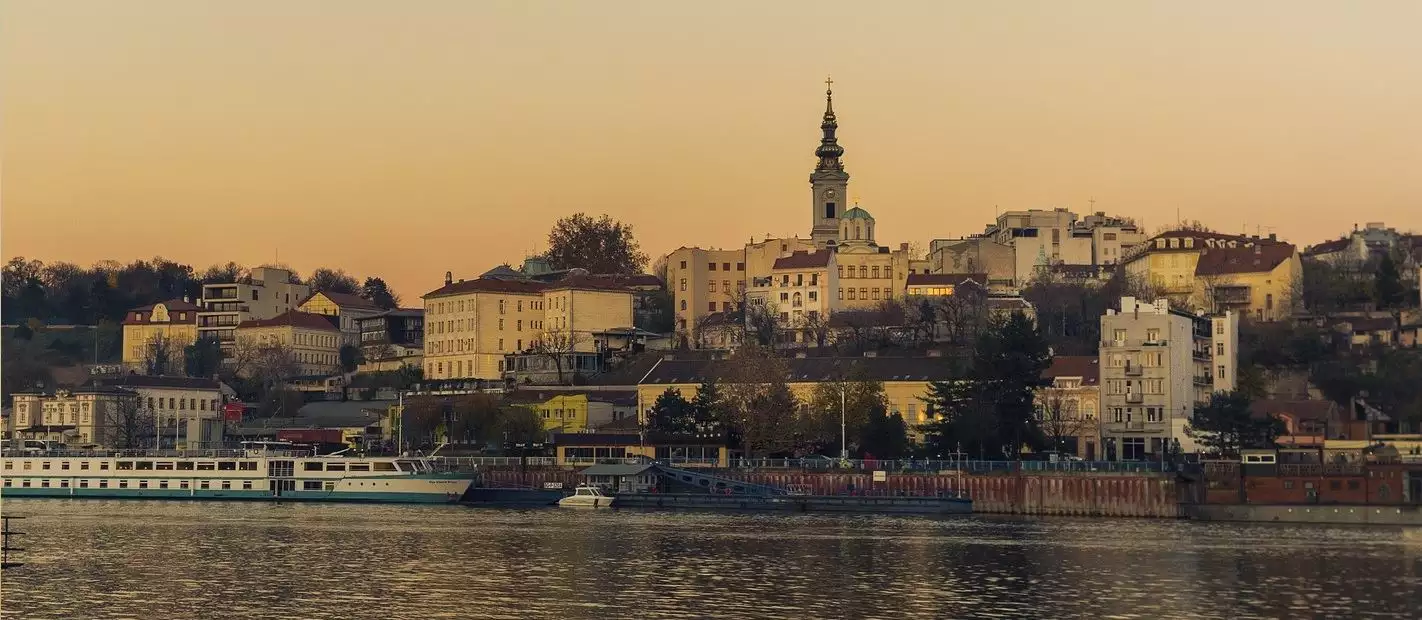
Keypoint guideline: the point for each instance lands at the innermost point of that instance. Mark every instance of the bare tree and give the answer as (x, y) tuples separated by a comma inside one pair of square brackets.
[(762, 322), (757, 402), (1060, 417), (126, 423), (163, 354), (557, 345)]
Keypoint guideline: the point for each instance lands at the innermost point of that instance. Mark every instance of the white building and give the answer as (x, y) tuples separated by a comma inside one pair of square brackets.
[(1157, 364), (266, 293)]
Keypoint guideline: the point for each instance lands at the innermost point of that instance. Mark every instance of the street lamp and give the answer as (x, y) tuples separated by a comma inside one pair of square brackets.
[(843, 435)]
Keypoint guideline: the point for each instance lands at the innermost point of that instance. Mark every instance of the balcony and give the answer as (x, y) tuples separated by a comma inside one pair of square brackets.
[(1133, 370), (1231, 295), (1135, 398), (1203, 381), (1200, 355), (218, 293)]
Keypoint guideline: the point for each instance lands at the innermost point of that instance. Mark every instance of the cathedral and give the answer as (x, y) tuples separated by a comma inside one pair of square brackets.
[(839, 267)]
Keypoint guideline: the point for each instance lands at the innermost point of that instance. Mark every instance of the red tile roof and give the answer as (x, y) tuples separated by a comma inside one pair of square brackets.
[(174, 306), (1328, 247), (1085, 366), (488, 285), (801, 259), (588, 283), (1263, 257), (294, 318)]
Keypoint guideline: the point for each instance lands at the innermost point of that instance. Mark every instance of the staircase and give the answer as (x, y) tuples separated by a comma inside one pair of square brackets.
[(715, 484)]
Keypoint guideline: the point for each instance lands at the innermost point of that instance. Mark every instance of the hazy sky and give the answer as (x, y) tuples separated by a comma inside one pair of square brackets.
[(406, 139)]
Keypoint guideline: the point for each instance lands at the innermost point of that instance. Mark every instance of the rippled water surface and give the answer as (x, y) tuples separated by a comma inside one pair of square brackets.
[(133, 559)]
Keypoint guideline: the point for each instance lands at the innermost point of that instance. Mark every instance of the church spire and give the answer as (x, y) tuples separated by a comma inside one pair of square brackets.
[(829, 150)]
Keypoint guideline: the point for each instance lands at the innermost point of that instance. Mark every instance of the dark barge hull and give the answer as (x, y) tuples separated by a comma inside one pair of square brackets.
[(798, 503)]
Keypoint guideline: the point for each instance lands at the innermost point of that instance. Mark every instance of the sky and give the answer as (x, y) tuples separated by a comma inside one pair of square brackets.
[(407, 139)]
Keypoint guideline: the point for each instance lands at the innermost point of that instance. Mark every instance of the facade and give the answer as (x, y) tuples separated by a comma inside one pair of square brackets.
[(1069, 408), (703, 282), (975, 255), (349, 308), (392, 339), (1110, 237), (265, 293), (1253, 276), (312, 340), (1157, 364), (798, 289), (87, 416), (186, 411), (473, 325), (567, 412), (906, 379), (169, 325), (1040, 239)]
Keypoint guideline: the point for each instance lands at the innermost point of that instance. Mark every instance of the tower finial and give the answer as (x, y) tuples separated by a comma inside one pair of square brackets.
[(829, 150)]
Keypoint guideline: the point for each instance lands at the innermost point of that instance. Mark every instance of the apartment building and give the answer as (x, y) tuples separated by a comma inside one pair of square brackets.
[(1157, 364), (186, 411), (471, 325), (1258, 277), (167, 325), (85, 416), (312, 340), (703, 282), (266, 292), (1069, 407), (350, 309), (1040, 239), (799, 290)]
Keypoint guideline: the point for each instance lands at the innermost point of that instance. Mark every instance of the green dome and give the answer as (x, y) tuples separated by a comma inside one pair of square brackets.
[(857, 214)]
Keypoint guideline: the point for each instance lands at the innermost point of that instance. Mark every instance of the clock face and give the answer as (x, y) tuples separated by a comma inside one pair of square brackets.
[(830, 194)]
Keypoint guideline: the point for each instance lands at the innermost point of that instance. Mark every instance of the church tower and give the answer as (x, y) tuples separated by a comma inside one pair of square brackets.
[(829, 183)]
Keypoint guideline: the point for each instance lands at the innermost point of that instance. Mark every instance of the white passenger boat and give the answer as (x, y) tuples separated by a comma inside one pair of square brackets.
[(259, 471), (587, 496)]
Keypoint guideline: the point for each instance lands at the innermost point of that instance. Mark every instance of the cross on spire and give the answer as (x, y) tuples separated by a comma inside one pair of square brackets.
[(829, 84)]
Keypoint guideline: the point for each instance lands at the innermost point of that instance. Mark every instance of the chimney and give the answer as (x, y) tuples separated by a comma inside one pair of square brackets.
[(449, 277), (1273, 237)]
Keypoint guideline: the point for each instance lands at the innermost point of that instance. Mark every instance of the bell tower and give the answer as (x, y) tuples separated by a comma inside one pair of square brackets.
[(829, 183)]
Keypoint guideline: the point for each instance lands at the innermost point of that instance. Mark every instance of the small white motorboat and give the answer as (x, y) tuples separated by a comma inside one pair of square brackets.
[(587, 496)]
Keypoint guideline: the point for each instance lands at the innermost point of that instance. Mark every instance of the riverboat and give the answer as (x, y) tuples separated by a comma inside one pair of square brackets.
[(259, 471)]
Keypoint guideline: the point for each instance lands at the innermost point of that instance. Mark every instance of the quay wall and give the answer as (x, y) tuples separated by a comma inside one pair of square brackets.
[(1052, 494), (1337, 515)]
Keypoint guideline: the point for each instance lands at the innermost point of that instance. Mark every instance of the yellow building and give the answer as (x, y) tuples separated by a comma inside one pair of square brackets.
[(906, 379), (800, 290), (1258, 277), (470, 325), (312, 340), (81, 417), (705, 282), (349, 308), (168, 325), (1070, 407)]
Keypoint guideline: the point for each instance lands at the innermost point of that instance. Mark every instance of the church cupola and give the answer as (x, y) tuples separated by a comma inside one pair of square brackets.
[(829, 183)]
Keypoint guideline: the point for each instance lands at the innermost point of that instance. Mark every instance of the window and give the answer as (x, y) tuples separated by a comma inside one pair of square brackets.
[(863, 271), (519, 326), (841, 294), (710, 266), (875, 291), (740, 266), (864, 293), (851, 294), (226, 484), (683, 305), (1219, 327), (311, 485), (1219, 348), (1222, 371), (726, 285), (247, 466), (501, 324), (829, 210), (683, 280), (1152, 335), (1119, 335), (711, 286), (874, 272), (1269, 301), (713, 306), (246, 485)]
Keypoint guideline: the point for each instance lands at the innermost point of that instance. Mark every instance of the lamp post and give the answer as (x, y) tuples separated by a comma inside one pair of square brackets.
[(843, 434)]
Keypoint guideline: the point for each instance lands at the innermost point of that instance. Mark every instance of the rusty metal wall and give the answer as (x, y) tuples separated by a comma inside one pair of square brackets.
[(1105, 495)]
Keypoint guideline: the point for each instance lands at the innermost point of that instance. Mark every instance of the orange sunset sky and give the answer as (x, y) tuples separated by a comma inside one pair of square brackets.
[(405, 139)]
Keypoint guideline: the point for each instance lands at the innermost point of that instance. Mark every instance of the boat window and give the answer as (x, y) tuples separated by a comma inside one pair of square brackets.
[(103, 465), (202, 485), (83, 484), (64, 464), (27, 464), (409, 465), (162, 484), (83, 464), (311, 466), (165, 465), (25, 483), (183, 484), (9, 464), (7, 482), (143, 465), (44, 483), (185, 465), (226, 484), (330, 485), (227, 465), (247, 485), (311, 485), (103, 484), (360, 467), (64, 484), (335, 466), (206, 466), (123, 465), (247, 466), (384, 466), (44, 465)]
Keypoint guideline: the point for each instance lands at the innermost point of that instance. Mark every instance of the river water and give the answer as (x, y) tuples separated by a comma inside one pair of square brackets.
[(142, 559)]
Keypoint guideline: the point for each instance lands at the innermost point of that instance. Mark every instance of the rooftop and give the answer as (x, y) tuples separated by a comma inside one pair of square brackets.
[(809, 369), (344, 300), (1088, 367), (801, 259), (294, 318), (1258, 258), (148, 381)]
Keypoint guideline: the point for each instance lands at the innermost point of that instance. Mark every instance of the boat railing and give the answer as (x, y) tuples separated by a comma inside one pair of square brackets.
[(204, 453)]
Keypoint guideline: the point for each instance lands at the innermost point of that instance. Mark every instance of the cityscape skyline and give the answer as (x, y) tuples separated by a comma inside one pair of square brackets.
[(217, 133)]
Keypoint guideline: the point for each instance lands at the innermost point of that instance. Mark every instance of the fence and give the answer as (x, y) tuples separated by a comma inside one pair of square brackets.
[(825, 464)]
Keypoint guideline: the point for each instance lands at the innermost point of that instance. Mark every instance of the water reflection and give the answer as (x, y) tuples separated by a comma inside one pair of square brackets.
[(127, 559)]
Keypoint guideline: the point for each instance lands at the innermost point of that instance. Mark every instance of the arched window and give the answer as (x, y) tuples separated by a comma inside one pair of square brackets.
[(858, 232), (869, 228), (796, 301)]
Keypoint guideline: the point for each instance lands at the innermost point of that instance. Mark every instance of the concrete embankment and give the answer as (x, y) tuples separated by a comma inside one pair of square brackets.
[(1059, 494), (1338, 515)]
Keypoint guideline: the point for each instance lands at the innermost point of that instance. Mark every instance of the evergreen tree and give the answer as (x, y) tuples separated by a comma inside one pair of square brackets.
[(1226, 425), (672, 414), (379, 293), (885, 436), (1388, 288), (991, 410), (706, 408)]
